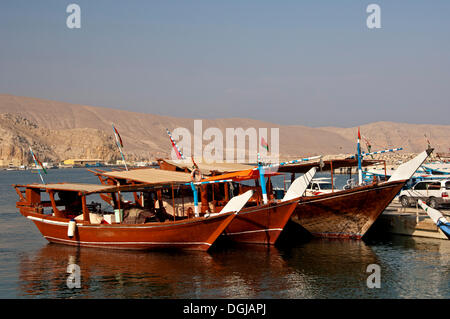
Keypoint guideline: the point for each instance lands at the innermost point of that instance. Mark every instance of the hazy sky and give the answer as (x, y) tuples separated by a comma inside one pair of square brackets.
[(311, 63)]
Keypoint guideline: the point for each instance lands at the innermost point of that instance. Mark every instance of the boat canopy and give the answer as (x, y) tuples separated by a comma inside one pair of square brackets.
[(325, 165), (72, 187), (206, 168), (150, 176), (235, 176), (239, 176), (87, 189)]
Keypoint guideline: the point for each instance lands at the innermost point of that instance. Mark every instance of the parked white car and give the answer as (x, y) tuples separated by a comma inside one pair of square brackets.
[(433, 192), (319, 186)]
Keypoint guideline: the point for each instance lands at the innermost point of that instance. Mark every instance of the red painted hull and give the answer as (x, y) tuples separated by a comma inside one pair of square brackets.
[(261, 224), (347, 213), (191, 234)]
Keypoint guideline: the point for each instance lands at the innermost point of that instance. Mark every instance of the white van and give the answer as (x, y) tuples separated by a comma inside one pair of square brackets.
[(433, 192)]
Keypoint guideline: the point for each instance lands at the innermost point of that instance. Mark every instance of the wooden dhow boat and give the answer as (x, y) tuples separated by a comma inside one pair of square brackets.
[(263, 218), (258, 222), (67, 218), (350, 213)]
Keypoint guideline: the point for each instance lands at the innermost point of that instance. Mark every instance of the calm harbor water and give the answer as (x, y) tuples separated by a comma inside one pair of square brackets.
[(299, 267)]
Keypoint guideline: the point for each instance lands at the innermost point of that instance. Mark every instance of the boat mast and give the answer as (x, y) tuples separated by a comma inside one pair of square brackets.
[(119, 145), (360, 177), (37, 165), (195, 193), (262, 180)]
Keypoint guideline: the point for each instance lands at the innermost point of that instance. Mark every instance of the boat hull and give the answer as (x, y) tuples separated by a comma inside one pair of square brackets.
[(191, 234), (347, 213), (260, 224)]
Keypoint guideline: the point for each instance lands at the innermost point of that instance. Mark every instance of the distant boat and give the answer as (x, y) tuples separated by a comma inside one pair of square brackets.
[(98, 164), (16, 168), (438, 168)]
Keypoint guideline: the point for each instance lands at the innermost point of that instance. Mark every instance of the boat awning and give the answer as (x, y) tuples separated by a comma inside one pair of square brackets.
[(87, 189), (150, 176), (205, 168), (239, 176), (324, 165), (235, 176), (73, 187)]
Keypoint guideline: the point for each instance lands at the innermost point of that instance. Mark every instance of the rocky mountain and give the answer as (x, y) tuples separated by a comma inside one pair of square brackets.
[(412, 137), (58, 130), (17, 134)]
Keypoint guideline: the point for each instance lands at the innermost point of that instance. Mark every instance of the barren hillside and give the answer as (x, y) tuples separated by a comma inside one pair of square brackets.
[(61, 130)]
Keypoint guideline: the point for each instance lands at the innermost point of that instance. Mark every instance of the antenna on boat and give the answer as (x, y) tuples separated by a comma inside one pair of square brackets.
[(119, 144)]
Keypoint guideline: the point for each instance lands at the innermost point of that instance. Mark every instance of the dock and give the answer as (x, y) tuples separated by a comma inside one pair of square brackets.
[(410, 221)]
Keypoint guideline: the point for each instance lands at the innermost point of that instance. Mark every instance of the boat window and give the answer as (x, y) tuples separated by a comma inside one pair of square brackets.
[(447, 185), (315, 186), (71, 201)]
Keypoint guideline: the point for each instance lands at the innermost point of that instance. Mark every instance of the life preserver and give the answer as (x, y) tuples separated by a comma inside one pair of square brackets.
[(196, 175)]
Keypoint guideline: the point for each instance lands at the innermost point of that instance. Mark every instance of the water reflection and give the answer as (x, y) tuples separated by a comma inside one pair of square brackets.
[(246, 271), (415, 267), (333, 268), (109, 273), (318, 268), (230, 273), (254, 271)]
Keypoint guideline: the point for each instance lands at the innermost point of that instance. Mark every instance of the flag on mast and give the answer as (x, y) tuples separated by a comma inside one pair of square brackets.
[(119, 144), (428, 141), (369, 146), (175, 147), (264, 144), (117, 135), (38, 163), (262, 180)]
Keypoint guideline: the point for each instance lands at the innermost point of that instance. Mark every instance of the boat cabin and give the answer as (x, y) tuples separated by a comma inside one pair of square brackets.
[(165, 198), (213, 192)]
